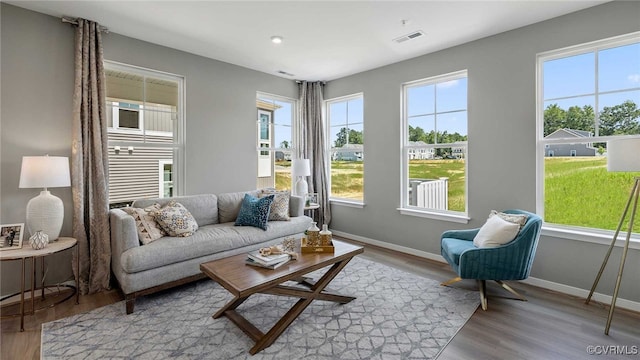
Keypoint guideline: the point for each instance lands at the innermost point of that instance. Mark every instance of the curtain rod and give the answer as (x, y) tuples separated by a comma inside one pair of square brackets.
[(74, 21)]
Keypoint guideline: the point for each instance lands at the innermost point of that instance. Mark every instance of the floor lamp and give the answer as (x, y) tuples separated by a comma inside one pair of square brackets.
[(622, 155)]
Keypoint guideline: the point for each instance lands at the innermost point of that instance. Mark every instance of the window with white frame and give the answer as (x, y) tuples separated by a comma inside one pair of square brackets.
[(434, 140), (587, 95), (275, 129), (145, 129), (345, 119)]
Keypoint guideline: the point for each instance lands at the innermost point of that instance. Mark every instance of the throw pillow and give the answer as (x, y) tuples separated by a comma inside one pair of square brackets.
[(519, 219), (148, 228), (495, 232), (255, 211), (280, 206), (176, 220)]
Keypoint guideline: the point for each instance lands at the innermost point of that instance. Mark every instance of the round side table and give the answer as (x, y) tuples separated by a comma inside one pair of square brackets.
[(26, 252)]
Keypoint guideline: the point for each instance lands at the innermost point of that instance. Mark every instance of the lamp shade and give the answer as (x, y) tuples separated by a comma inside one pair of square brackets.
[(300, 167), (623, 155), (45, 212), (44, 172)]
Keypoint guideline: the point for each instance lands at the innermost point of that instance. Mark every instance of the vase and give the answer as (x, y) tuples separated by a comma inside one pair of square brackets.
[(313, 235), (39, 240), (325, 236)]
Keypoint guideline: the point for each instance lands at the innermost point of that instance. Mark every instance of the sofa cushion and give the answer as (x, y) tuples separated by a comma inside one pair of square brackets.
[(280, 206), (148, 229), (176, 220), (229, 205), (254, 211), (207, 240), (453, 248), (204, 208)]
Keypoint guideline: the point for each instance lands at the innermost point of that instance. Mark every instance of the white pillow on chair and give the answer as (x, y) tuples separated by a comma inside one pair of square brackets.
[(496, 232)]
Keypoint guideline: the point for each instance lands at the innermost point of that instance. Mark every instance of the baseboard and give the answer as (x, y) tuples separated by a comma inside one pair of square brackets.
[(545, 284)]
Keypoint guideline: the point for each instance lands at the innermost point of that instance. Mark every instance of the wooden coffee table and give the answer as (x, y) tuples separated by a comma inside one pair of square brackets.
[(243, 281)]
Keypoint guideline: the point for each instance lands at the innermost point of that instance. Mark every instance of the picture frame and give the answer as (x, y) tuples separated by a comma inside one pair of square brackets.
[(11, 236), (312, 199)]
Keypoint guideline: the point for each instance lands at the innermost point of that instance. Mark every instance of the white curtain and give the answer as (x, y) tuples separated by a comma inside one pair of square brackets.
[(312, 144)]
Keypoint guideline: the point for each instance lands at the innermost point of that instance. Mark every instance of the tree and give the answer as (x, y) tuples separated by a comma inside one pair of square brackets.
[(578, 118), (355, 137), (623, 119), (284, 144), (554, 118)]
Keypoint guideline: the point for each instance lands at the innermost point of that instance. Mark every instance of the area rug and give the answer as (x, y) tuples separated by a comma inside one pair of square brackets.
[(396, 315)]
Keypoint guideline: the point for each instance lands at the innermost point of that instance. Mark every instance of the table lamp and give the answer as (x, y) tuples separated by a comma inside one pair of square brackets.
[(45, 212), (301, 169), (622, 155)]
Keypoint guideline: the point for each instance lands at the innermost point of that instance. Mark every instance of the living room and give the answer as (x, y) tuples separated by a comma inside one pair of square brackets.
[(502, 173)]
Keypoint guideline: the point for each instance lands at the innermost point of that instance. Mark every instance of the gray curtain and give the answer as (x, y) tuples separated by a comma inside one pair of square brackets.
[(89, 162), (312, 145)]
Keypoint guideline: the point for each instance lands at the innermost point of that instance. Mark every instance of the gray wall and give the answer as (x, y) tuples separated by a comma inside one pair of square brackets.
[(502, 142), (36, 94)]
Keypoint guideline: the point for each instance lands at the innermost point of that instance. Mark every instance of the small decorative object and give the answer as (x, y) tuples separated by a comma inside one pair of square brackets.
[(313, 235), (39, 240), (312, 199), (325, 236), (277, 250), (289, 244), (11, 236)]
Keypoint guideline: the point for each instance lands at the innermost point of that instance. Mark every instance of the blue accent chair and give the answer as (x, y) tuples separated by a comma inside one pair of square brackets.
[(511, 261)]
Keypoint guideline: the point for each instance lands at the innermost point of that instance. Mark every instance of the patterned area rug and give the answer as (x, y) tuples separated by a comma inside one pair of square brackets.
[(396, 316)]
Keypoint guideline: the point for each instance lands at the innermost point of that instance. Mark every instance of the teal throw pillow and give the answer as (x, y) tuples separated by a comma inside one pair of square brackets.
[(254, 211)]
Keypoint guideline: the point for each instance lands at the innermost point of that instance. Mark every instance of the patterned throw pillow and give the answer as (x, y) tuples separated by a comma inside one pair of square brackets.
[(255, 211), (176, 220), (280, 205), (519, 219), (148, 228)]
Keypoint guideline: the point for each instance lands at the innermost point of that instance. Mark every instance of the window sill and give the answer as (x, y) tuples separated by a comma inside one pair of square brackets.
[(462, 219), (589, 235), (348, 203)]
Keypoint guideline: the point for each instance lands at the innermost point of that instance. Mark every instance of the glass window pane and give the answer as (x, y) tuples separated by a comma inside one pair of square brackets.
[(570, 76), (338, 113), (451, 95), (422, 128), (619, 68), (574, 113), (347, 177), (420, 100), (452, 127), (438, 183), (579, 191), (619, 114)]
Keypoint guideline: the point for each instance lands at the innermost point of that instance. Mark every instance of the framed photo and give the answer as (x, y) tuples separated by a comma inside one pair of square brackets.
[(11, 236), (312, 199)]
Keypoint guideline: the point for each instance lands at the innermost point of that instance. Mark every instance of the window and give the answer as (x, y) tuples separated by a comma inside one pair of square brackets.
[(587, 95), (145, 122), (275, 129), (434, 139), (345, 117)]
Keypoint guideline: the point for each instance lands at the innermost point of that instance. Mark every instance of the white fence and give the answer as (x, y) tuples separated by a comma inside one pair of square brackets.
[(431, 194)]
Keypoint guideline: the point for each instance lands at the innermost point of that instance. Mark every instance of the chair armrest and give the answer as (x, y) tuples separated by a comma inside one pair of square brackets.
[(460, 234), (506, 262), (124, 234), (296, 206)]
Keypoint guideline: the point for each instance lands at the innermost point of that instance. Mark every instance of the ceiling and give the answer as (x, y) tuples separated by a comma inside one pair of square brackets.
[(323, 40)]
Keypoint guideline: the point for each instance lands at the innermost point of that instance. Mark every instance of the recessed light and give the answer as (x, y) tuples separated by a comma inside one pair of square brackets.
[(276, 39)]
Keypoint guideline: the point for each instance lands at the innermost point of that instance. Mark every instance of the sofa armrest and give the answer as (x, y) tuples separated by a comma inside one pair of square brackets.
[(124, 234), (296, 206)]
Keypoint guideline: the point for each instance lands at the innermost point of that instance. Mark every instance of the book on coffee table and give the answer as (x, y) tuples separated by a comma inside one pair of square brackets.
[(252, 262), (267, 260)]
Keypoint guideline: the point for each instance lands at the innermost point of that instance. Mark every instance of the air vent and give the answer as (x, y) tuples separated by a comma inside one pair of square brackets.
[(284, 73), (411, 36)]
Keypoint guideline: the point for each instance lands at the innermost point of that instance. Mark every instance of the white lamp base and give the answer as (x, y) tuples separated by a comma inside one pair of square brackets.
[(302, 188), (45, 212)]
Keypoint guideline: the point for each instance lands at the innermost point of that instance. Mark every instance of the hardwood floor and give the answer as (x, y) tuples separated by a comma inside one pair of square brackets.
[(549, 325)]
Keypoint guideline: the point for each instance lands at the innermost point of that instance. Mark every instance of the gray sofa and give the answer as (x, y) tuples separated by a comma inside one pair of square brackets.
[(172, 261)]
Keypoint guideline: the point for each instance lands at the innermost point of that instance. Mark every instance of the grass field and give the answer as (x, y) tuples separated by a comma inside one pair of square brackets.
[(578, 190)]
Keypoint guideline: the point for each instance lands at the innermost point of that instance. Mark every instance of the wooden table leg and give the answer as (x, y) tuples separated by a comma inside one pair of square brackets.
[(298, 308)]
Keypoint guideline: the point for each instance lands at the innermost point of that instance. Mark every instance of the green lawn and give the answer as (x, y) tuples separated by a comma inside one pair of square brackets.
[(578, 190)]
